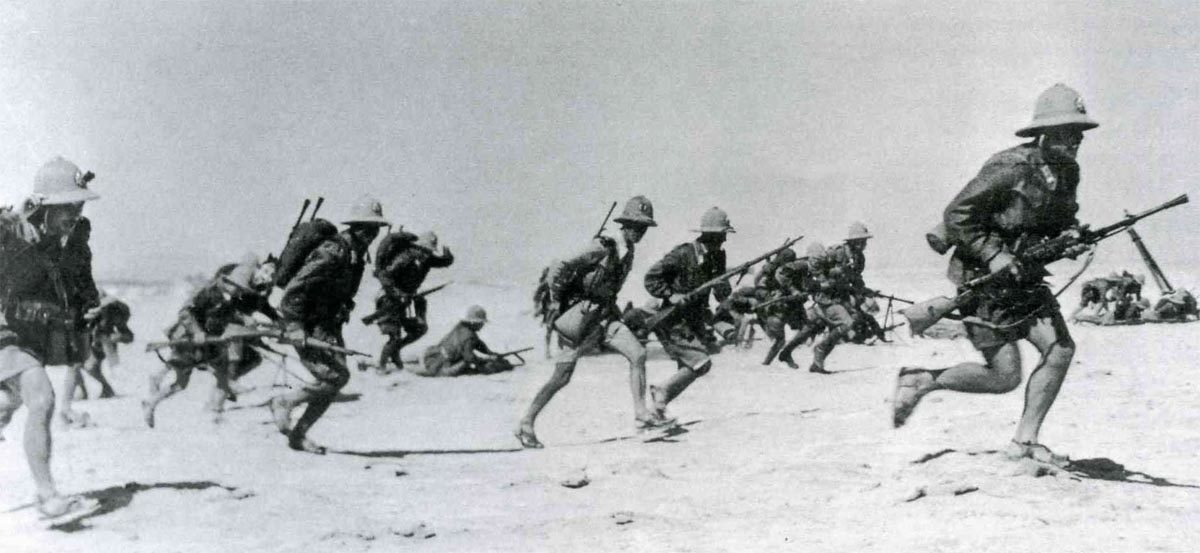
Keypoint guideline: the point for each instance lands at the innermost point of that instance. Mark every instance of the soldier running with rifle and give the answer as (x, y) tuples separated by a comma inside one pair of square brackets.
[(224, 309), (107, 326), (46, 287), (402, 262), (1015, 217), (320, 272), (683, 280), (584, 287)]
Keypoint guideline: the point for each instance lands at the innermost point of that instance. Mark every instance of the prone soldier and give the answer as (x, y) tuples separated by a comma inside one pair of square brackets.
[(462, 352), (585, 287), (45, 286), (317, 302), (1027, 192)]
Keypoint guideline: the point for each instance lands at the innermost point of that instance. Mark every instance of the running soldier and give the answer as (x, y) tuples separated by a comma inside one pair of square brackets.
[(316, 303), (851, 260), (462, 351), (686, 336), (222, 310), (585, 288), (107, 325), (1023, 193), (400, 313), (46, 287)]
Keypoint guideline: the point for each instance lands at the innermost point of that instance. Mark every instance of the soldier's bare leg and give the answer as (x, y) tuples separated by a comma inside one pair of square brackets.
[(390, 352), (183, 375), (785, 354), (71, 381), (622, 340), (38, 395), (1000, 373), (92, 368), (10, 401), (1057, 349)]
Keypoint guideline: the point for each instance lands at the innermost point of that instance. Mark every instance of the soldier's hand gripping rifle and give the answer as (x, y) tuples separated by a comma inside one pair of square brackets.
[(923, 315), (662, 316), (378, 314), (514, 353)]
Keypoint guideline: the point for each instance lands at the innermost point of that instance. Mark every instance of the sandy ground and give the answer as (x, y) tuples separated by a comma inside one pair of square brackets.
[(772, 459)]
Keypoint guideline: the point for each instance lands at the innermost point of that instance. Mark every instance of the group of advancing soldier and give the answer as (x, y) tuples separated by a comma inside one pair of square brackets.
[(52, 313)]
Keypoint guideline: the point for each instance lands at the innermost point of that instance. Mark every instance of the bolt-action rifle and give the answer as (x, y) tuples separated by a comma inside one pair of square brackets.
[(877, 294), (923, 315), (514, 353), (370, 319), (274, 333), (662, 316)]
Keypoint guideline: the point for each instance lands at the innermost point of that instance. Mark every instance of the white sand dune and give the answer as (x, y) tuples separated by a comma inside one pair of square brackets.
[(772, 459)]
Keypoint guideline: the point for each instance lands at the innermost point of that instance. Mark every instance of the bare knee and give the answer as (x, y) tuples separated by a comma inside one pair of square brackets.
[(562, 375)]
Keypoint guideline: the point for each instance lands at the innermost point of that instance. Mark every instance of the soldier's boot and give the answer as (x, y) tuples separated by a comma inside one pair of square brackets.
[(665, 394), (776, 346), (785, 354), (148, 407), (298, 437), (390, 353)]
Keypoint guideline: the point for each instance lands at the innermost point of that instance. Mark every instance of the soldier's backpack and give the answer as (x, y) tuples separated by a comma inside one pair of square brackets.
[(391, 245), (304, 239)]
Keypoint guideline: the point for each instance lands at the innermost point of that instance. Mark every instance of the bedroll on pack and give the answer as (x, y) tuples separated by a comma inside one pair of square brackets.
[(391, 245), (304, 239)]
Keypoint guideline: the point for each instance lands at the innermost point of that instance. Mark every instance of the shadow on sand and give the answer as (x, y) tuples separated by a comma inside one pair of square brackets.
[(401, 453), (118, 497), (1101, 468)]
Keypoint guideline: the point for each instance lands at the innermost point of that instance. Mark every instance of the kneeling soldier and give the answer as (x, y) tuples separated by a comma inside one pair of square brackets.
[(462, 351)]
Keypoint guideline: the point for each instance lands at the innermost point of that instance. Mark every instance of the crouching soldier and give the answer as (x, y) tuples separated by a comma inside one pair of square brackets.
[(316, 303), (206, 335), (42, 268), (686, 336), (462, 352), (401, 269), (585, 287), (107, 325)]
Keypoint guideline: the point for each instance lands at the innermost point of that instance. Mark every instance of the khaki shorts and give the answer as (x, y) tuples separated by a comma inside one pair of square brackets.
[(615, 336), (14, 361)]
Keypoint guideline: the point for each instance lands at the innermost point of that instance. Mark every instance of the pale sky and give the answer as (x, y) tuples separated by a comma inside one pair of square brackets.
[(509, 127)]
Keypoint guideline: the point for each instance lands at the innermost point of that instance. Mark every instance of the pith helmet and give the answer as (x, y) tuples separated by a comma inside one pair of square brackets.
[(61, 182), (427, 241), (242, 274), (715, 220), (475, 314), (1058, 106), (788, 255), (366, 211), (1139, 278), (816, 249), (858, 231), (638, 211)]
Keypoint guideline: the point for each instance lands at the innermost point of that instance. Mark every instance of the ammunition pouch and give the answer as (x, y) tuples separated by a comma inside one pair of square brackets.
[(48, 315)]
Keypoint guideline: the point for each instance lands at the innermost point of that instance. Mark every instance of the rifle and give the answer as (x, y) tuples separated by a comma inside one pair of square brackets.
[(769, 303), (881, 295), (299, 218), (515, 353), (370, 319), (923, 315), (1160, 279), (604, 223), (659, 318), (273, 333), (320, 200)]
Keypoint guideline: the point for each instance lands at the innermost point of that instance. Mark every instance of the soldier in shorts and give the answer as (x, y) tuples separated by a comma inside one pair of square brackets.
[(42, 271), (585, 287), (1025, 192)]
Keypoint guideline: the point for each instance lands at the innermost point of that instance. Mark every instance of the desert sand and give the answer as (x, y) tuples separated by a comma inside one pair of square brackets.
[(770, 459)]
